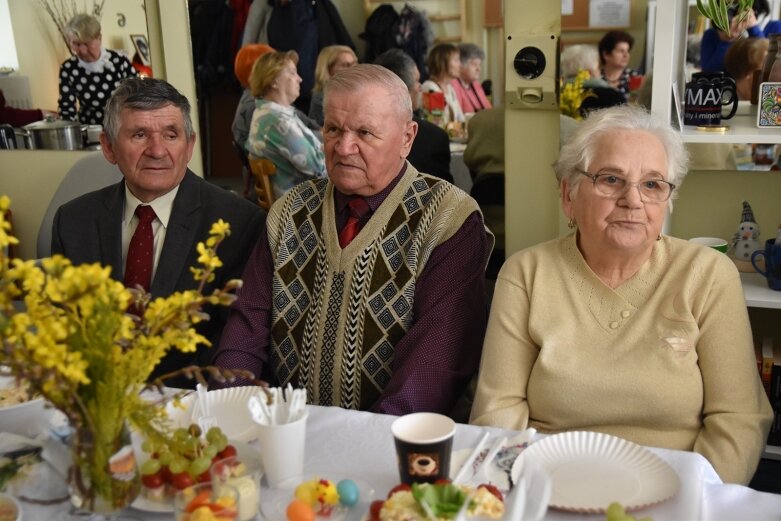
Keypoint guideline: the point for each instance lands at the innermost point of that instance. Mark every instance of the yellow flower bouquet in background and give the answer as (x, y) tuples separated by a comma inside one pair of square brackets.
[(572, 95), (76, 345)]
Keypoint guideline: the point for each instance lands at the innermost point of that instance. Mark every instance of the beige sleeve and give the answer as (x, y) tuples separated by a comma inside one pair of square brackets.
[(508, 356), (736, 411)]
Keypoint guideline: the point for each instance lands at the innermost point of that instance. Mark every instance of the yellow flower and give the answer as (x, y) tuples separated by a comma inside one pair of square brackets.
[(572, 95)]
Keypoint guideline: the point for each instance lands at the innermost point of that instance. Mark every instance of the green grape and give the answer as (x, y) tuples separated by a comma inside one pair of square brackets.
[(191, 445), (195, 430), (615, 512), (150, 466), (210, 451), (221, 443), (181, 434), (213, 434), (147, 446), (178, 464), (165, 458), (198, 466)]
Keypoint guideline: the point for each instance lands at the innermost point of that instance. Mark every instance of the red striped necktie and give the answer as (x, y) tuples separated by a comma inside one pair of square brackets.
[(359, 208), (138, 268)]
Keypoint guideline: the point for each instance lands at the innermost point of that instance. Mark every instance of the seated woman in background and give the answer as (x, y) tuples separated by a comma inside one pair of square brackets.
[(743, 58), (614, 48), (20, 117), (444, 64), (469, 92), (89, 76), (276, 133), (581, 57), (618, 329), (331, 60)]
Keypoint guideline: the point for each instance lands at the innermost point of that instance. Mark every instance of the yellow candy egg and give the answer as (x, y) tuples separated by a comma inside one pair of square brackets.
[(307, 492), (327, 493), (298, 510)]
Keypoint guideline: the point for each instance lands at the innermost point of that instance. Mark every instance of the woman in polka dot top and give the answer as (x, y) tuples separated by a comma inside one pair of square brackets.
[(91, 75)]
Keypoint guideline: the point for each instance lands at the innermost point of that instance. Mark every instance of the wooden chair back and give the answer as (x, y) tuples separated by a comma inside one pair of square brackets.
[(262, 170)]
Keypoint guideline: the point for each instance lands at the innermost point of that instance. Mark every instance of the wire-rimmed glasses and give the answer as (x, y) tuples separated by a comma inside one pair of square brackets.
[(613, 185)]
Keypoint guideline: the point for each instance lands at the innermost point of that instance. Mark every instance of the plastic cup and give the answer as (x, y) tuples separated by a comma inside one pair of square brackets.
[(282, 452), (243, 474), (424, 441), (220, 500)]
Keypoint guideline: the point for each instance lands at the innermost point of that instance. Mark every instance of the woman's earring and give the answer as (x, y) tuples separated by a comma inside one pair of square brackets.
[(571, 224)]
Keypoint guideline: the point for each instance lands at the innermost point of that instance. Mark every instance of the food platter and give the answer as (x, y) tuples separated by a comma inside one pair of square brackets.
[(26, 418), (274, 502), (229, 406), (590, 470), (145, 504)]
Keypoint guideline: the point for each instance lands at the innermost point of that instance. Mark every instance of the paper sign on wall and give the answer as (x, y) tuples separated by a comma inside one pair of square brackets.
[(608, 13)]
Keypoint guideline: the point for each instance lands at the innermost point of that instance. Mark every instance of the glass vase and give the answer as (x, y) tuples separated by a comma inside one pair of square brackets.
[(104, 476)]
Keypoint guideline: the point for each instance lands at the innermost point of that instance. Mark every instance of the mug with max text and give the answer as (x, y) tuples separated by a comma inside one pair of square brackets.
[(705, 98)]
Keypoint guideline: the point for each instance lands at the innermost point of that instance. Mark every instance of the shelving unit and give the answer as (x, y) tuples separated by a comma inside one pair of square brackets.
[(669, 50)]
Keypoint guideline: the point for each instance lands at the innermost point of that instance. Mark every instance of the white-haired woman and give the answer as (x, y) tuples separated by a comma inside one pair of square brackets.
[(617, 328), (88, 78), (581, 57)]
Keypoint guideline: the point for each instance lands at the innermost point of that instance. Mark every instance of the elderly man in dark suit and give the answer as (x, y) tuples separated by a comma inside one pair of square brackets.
[(147, 226), (430, 151)]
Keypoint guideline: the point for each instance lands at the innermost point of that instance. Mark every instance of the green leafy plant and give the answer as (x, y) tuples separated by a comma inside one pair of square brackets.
[(717, 11)]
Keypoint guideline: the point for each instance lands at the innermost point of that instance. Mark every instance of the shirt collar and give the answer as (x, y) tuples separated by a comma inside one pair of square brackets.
[(374, 201), (162, 205)]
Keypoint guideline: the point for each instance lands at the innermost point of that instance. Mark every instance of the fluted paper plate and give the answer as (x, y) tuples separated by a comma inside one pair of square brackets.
[(590, 470), (229, 406)]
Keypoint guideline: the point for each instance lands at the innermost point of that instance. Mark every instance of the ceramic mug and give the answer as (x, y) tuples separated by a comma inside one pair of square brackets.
[(772, 271), (705, 98)]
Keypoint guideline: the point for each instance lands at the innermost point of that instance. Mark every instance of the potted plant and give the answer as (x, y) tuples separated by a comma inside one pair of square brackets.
[(717, 11)]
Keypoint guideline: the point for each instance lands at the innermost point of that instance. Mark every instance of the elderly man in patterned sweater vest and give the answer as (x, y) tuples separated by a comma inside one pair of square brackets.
[(367, 288)]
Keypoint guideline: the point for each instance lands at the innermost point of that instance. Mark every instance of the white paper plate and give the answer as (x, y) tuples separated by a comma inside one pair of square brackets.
[(590, 470), (229, 406)]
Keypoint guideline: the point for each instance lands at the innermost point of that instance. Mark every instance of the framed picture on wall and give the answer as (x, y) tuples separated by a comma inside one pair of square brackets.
[(142, 48)]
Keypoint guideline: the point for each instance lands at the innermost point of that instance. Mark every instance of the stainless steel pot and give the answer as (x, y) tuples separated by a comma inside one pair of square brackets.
[(54, 135)]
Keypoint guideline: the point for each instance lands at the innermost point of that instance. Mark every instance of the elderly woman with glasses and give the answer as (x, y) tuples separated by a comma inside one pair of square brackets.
[(617, 328)]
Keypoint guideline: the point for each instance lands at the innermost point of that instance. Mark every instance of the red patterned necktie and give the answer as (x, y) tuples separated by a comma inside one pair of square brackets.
[(358, 209), (138, 269)]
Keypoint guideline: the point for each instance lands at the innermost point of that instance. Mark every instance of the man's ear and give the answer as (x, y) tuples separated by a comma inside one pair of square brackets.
[(108, 149), (410, 131)]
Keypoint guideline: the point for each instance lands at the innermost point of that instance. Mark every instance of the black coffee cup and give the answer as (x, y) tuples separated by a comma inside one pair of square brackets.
[(705, 98)]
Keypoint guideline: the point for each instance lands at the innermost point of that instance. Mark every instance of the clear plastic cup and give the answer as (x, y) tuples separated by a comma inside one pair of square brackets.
[(244, 475), (221, 500)]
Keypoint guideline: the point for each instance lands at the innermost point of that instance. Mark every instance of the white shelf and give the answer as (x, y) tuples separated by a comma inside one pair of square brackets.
[(742, 129), (757, 294), (772, 452)]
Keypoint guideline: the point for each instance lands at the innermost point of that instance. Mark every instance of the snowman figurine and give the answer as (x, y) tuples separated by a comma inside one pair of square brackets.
[(746, 239)]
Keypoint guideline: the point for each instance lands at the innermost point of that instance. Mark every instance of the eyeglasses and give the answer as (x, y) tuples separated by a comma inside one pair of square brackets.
[(610, 184)]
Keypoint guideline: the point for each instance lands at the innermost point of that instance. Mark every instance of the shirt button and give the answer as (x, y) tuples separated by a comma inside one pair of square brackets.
[(614, 325), (625, 314)]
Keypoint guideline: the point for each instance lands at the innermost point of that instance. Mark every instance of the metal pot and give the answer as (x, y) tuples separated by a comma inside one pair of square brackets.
[(55, 134)]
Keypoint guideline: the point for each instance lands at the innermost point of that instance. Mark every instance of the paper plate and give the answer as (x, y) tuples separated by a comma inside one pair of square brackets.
[(229, 406), (590, 470)]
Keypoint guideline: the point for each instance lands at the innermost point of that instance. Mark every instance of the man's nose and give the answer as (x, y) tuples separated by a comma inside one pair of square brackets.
[(155, 146), (345, 145)]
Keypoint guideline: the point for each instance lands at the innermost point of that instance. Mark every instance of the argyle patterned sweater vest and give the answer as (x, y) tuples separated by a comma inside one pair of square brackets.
[(337, 314)]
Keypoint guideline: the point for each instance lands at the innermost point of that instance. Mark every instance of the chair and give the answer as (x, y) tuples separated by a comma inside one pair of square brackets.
[(88, 174), (262, 170), (244, 158)]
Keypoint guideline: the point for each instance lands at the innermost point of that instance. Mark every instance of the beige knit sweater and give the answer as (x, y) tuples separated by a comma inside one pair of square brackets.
[(666, 359)]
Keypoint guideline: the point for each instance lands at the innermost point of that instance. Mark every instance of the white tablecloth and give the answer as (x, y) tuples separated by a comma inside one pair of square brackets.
[(461, 176), (360, 445)]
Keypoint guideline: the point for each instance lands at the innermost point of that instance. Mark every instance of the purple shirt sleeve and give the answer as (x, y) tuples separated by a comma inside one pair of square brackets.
[(435, 359)]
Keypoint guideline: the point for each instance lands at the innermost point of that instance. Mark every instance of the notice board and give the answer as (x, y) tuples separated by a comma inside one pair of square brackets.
[(596, 15)]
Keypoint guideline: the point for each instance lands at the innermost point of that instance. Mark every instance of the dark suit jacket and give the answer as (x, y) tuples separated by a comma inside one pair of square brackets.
[(430, 152), (88, 229)]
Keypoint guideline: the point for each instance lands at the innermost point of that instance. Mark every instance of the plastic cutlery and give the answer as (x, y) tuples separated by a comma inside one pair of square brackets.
[(206, 421), (470, 459)]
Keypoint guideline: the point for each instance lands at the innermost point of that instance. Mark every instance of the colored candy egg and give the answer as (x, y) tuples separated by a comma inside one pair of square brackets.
[(348, 492), (297, 510), (307, 492)]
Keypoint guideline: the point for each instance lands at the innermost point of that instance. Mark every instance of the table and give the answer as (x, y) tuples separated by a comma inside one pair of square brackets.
[(360, 444)]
